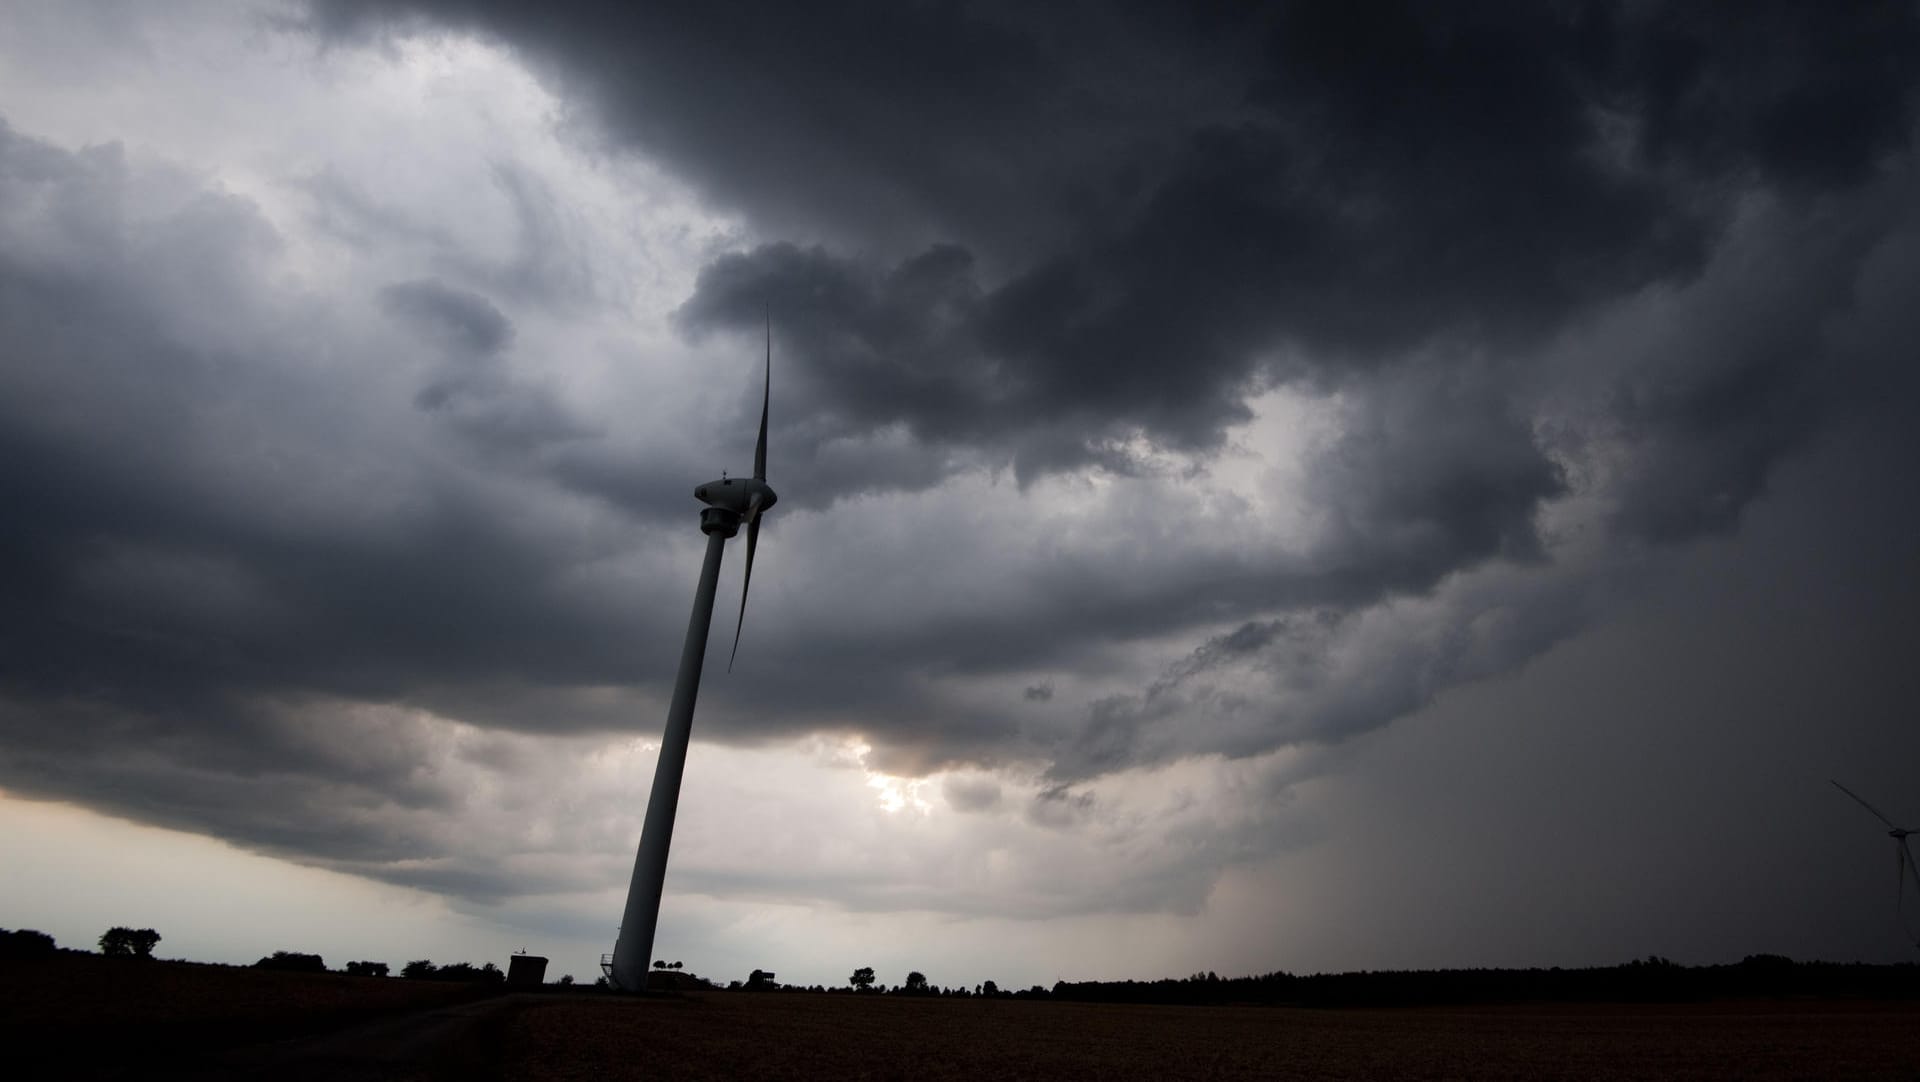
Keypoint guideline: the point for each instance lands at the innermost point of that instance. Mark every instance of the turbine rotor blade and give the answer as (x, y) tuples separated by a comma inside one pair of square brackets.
[(1900, 858), (760, 448), (753, 542), (1908, 869), (1862, 802)]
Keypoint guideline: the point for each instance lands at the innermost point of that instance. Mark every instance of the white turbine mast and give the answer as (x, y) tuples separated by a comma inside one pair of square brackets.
[(1905, 868), (728, 500)]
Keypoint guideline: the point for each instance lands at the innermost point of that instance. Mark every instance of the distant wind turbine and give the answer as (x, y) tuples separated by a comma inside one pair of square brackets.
[(728, 500), (1903, 858)]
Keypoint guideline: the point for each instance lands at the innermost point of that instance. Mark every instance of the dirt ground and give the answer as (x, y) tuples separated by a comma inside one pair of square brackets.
[(84, 1017), (845, 1037), (74, 1016)]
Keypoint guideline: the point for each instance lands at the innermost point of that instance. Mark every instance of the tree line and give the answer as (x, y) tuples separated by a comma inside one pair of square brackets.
[(116, 942), (1649, 980), (865, 982), (138, 943)]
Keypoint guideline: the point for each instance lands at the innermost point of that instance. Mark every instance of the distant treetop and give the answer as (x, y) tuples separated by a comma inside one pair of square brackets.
[(118, 942), (25, 943), (292, 961)]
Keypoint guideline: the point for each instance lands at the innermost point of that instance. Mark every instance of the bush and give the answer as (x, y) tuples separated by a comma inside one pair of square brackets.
[(118, 942), (465, 971), (292, 961), (25, 943), (366, 969), (422, 969)]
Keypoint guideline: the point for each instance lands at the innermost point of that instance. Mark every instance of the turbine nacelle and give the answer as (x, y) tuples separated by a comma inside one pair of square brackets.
[(737, 494)]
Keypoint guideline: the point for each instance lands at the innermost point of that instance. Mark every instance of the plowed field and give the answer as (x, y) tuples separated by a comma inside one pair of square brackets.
[(846, 1037)]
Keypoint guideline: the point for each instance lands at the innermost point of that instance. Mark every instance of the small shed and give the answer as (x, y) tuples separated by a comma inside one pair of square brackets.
[(526, 971)]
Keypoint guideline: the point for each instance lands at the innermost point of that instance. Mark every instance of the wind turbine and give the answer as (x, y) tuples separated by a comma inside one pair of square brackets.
[(1903, 858), (728, 500)]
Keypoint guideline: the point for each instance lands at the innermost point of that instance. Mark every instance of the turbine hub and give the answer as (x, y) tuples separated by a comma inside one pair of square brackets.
[(736, 494)]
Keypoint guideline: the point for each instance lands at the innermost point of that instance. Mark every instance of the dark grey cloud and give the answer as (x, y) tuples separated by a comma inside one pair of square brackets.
[(546, 265), (209, 534), (1749, 374), (970, 794), (468, 322), (911, 122), (1434, 473), (1319, 187), (862, 353), (341, 209), (1813, 98), (473, 391)]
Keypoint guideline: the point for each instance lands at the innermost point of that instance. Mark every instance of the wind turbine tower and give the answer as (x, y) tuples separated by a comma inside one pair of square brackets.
[(729, 501)]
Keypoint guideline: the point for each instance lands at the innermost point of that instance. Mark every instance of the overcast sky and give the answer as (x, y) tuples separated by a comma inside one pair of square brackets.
[(1311, 487)]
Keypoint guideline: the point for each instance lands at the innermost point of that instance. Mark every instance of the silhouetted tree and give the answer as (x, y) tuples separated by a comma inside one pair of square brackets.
[(423, 969), (675, 965), (467, 971), (658, 964), (25, 943), (566, 981), (989, 989), (862, 978), (117, 942), (292, 961), (916, 982), (367, 969)]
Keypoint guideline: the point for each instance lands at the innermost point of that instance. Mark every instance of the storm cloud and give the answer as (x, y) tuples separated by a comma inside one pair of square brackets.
[(1279, 194)]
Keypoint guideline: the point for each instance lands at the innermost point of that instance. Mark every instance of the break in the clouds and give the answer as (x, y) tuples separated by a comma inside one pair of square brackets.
[(1164, 400)]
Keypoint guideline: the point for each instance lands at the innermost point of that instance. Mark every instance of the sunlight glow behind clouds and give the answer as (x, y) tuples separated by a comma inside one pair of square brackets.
[(73, 874)]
